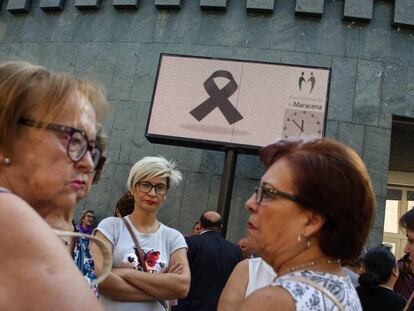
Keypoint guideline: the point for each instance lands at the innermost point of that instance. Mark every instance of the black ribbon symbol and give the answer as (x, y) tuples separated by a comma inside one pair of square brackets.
[(218, 98)]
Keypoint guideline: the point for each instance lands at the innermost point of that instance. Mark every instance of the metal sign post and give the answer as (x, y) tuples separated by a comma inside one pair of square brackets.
[(226, 189)]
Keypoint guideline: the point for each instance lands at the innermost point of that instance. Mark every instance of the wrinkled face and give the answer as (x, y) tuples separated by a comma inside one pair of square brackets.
[(86, 187), (409, 247), (41, 171), (150, 201), (245, 247), (87, 220), (274, 224)]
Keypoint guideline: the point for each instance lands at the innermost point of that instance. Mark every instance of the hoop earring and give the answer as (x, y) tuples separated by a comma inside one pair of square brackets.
[(6, 161)]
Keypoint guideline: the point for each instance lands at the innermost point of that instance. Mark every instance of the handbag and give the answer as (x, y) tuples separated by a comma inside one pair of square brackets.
[(141, 259), (320, 288)]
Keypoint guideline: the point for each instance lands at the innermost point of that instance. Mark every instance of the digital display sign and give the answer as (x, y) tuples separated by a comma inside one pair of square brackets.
[(219, 103)]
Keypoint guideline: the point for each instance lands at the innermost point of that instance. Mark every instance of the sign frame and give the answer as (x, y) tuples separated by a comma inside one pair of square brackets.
[(220, 145)]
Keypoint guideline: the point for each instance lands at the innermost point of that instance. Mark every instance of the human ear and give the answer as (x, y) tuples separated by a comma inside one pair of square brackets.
[(396, 272), (314, 223)]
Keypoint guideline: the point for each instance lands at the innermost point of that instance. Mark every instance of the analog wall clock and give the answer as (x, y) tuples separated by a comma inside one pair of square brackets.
[(301, 123)]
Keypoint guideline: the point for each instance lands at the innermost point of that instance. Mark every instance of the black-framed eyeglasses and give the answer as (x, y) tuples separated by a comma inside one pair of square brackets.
[(262, 191), (78, 142), (146, 187), (101, 163)]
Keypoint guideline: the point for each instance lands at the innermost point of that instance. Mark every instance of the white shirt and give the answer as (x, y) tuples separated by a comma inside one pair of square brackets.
[(157, 248), (260, 275)]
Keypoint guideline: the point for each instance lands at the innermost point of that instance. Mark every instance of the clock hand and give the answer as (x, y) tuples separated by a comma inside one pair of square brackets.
[(300, 127)]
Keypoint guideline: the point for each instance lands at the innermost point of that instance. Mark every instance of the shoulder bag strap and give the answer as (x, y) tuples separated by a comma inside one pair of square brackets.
[(162, 304), (138, 250), (320, 288)]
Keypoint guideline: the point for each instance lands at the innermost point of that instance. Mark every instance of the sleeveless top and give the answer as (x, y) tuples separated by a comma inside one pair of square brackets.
[(81, 256), (308, 298), (260, 275)]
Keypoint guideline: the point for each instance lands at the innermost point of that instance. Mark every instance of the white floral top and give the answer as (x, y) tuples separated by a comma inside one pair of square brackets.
[(308, 298)]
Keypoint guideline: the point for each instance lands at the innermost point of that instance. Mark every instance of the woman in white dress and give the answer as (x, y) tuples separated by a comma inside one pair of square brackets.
[(313, 208)]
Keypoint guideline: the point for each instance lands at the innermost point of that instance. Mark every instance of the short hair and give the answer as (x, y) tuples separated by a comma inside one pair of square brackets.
[(331, 180), (101, 142), (150, 167), (84, 212), (125, 204), (378, 263), (209, 224), (407, 220), (27, 89)]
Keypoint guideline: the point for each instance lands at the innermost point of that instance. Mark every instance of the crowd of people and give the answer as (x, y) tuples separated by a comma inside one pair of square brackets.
[(309, 219)]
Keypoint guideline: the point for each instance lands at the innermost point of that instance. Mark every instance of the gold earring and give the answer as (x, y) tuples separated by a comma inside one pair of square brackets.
[(303, 243)]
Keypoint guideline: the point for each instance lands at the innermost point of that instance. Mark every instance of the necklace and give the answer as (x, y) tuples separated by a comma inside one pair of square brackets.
[(314, 263), (64, 241)]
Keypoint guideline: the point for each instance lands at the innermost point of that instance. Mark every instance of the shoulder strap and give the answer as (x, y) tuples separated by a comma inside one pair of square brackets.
[(138, 250), (141, 259), (320, 288)]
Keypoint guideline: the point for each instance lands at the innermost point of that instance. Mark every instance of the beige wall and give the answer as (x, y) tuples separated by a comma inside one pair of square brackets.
[(401, 178)]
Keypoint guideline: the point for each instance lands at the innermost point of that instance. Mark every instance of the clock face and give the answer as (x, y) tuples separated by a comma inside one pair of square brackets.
[(301, 123)]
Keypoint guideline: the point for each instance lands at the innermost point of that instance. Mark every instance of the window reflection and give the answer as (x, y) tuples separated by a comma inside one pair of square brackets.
[(392, 205), (410, 200)]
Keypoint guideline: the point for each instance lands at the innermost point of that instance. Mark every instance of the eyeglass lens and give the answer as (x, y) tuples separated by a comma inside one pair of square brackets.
[(259, 194), (146, 187), (78, 143), (78, 146)]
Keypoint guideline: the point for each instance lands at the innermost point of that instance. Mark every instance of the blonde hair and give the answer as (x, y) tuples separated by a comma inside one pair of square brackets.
[(149, 167), (26, 89)]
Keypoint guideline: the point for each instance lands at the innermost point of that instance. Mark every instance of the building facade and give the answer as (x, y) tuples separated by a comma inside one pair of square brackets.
[(369, 47)]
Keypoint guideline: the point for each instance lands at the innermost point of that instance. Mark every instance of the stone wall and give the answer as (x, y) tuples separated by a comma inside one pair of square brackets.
[(371, 61)]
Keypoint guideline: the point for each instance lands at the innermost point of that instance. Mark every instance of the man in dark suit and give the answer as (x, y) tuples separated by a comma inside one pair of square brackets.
[(212, 259)]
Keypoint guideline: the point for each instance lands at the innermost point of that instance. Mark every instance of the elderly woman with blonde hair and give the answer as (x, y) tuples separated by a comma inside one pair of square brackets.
[(163, 249), (47, 135)]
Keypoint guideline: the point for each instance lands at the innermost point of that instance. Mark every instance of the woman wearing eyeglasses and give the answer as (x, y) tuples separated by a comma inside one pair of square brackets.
[(164, 249), (313, 208), (47, 134), (80, 246)]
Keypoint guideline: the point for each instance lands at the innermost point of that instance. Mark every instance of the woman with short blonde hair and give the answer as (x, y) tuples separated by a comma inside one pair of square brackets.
[(164, 249)]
